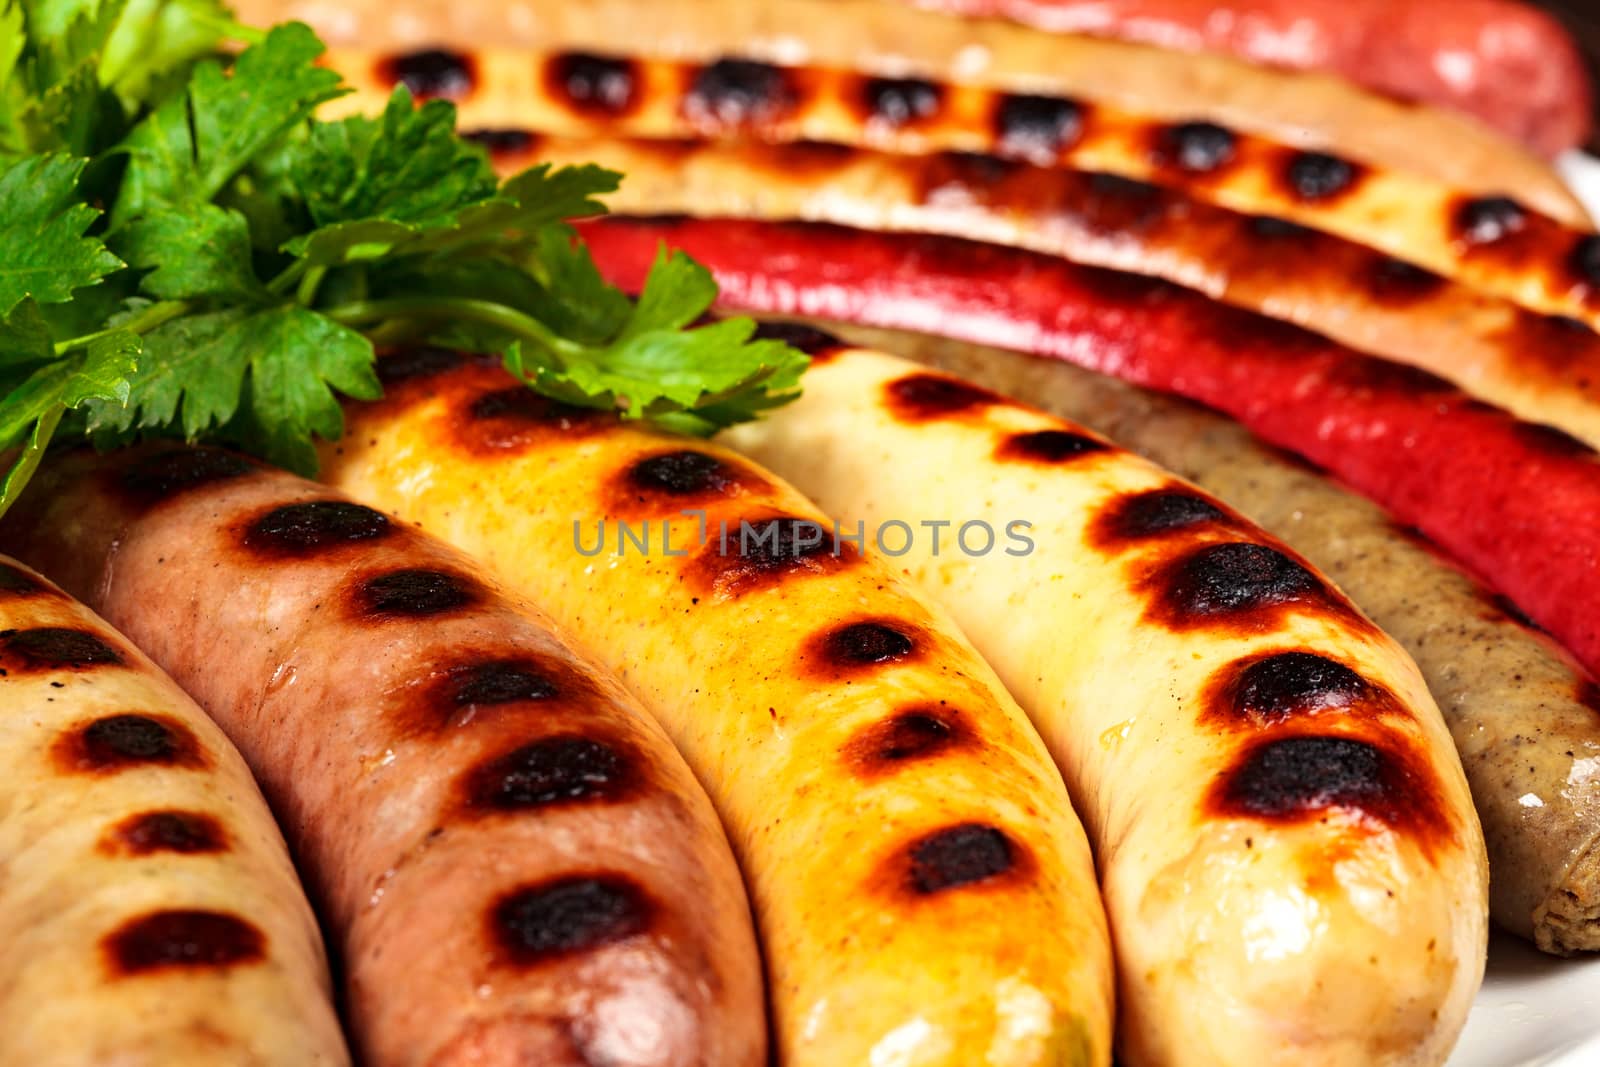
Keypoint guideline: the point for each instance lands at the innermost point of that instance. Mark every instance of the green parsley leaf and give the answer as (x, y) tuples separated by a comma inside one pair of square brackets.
[(43, 250), (199, 254)]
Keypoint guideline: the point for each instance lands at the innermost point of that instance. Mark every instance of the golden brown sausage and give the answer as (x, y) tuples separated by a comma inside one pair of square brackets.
[(924, 891), (148, 910), (517, 866), (1292, 866)]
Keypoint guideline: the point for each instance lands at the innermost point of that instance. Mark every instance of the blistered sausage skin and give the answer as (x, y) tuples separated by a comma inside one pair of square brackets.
[(149, 912), (516, 865), (1291, 864), (1523, 715), (434, 44), (1432, 456), (1541, 367), (1509, 63), (924, 891), (1494, 243)]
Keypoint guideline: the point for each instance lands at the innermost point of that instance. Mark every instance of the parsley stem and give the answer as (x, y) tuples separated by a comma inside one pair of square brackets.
[(307, 292), (526, 327), (142, 323)]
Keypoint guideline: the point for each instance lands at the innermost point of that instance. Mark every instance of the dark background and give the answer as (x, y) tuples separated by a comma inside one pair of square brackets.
[(1583, 19)]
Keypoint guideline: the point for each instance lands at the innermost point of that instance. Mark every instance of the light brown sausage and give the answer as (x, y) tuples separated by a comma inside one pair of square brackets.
[(1525, 718), (148, 910), (517, 866), (434, 40)]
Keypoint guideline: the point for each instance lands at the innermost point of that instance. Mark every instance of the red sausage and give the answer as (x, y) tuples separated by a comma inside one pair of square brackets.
[(1509, 64), (1514, 501)]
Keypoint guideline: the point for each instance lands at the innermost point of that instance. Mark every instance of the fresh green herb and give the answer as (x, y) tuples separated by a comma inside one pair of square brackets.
[(186, 250)]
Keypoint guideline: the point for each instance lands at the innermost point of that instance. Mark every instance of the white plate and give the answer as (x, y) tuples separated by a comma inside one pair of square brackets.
[(1534, 1011)]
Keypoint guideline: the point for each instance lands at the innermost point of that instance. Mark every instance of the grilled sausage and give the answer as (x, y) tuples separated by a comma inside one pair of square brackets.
[(434, 47), (516, 864), (924, 891), (1508, 63), (1492, 243), (1433, 457), (148, 909), (1291, 863), (1523, 715), (1542, 367)]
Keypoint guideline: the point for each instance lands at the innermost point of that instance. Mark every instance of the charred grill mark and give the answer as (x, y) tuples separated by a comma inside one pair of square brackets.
[(554, 770), (853, 648), (1037, 128), (183, 832), (504, 420), (503, 142), (818, 344), (1274, 228), (14, 581), (1503, 605), (1396, 282), (1234, 583), (432, 73), (1272, 687), (537, 923), (1194, 147), (154, 479), (417, 361), (906, 737), (1317, 176), (1487, 219), (314, 526), (1152, 513), (468, 687), (898, 102), (739, 92), (763, 552), (414, 593), (497, 682), (182, 939), (119, 742), (600, 85), (681, 478), (1292, 778), (959, 855), (924, 397), (1585, 260), (54, 648), (1049, 446)]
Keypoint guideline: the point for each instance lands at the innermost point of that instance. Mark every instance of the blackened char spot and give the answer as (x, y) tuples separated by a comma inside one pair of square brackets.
[(900, 101), (182, 939), (862, 643), (186, 832), (1037, 128), (920, 397), (1197, 147), (1319, 176), (431, 73), (1277, 686), (732, 92), (1152, 513), (907, 736), (499, 682), (1273, 228), (1049, 446), (16, 580), (508, 419), (797, 335), (417, 361), (959, 855), (416, 592), (1235, 580), (606, 85), (684, 472), (762, 551), (1507, 607), (552, 919), (115, 742), (1486, 219), (1394, 281), (550, 771), (48, 648), (299, 529), (1586, 260), (153, 479), (500, 142), (1122, 188)]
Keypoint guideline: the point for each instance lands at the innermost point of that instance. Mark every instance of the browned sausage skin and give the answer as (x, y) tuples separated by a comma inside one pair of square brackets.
[(517, 865)]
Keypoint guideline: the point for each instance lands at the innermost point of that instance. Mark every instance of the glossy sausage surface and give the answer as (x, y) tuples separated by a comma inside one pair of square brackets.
[(515, 863), (1292, 866), (923, 889), (1525, 718), (148, 909), (1434, 457), (434, 45)]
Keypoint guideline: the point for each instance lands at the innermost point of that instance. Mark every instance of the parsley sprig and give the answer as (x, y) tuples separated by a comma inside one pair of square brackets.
[(186, 250)]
